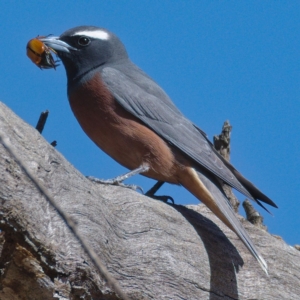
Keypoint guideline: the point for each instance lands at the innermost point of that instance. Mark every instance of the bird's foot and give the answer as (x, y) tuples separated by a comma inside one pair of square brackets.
[(119, 179), (163, 198), (154, 189), (115, 181)]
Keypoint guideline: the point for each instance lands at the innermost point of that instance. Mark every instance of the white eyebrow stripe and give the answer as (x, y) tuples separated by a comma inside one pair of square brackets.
[(96, 34)]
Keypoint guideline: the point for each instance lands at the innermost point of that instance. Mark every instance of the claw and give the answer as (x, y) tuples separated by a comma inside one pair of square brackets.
[(154, 189), (119, 179), (116, 182), (163, 198)]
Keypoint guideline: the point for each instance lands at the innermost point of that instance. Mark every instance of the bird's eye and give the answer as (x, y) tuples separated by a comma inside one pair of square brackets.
[(84, 41)]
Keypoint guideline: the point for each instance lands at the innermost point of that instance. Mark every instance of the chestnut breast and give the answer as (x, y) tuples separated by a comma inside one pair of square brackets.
[(120, 134)]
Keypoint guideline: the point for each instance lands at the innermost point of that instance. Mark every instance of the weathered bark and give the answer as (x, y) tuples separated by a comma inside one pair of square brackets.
[(222, 145), (154, 250), (253, 216)]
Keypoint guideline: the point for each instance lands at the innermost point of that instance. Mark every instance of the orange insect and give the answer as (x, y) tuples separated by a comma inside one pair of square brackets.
[(40, 54)]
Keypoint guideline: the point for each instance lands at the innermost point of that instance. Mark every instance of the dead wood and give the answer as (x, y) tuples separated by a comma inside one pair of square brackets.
[(154, 250)]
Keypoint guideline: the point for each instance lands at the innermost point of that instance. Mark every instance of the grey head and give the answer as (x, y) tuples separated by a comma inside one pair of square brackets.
[(85, 48)]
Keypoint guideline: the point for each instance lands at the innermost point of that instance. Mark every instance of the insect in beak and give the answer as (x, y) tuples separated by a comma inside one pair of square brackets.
[(41, 54)]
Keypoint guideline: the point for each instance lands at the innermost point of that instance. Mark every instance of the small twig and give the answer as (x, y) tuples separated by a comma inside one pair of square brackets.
[(41, 124), (222, 141), (54, 143), (222, 145), (253, 216), (42, 121), (67, 219)]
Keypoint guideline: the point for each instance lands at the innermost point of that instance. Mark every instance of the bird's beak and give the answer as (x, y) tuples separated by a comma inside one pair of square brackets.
[(55, 43)]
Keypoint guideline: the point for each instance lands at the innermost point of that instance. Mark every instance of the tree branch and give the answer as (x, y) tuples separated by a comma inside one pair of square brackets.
[(154, 250)]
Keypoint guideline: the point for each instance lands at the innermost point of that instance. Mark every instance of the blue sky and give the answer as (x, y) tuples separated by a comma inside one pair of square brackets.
[(217, 60)]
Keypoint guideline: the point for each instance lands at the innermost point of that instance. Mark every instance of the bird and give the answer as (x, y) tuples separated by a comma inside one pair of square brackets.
[(132, 119)]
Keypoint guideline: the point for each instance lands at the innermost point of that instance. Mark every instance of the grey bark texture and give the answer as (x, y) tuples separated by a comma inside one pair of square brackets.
[(222, 145), (154, 250)]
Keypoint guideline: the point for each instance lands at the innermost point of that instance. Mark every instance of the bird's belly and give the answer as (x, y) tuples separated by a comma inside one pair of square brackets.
[(121, 135)]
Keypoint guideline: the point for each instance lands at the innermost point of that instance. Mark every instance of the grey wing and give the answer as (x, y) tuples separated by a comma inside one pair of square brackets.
[(141, 79), (160, 114)]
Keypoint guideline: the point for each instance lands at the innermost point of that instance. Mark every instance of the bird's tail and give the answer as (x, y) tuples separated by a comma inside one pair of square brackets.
[(209, 191)]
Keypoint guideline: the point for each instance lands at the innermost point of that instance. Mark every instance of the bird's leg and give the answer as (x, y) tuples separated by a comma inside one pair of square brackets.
[(154, 189), (119, 179)]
